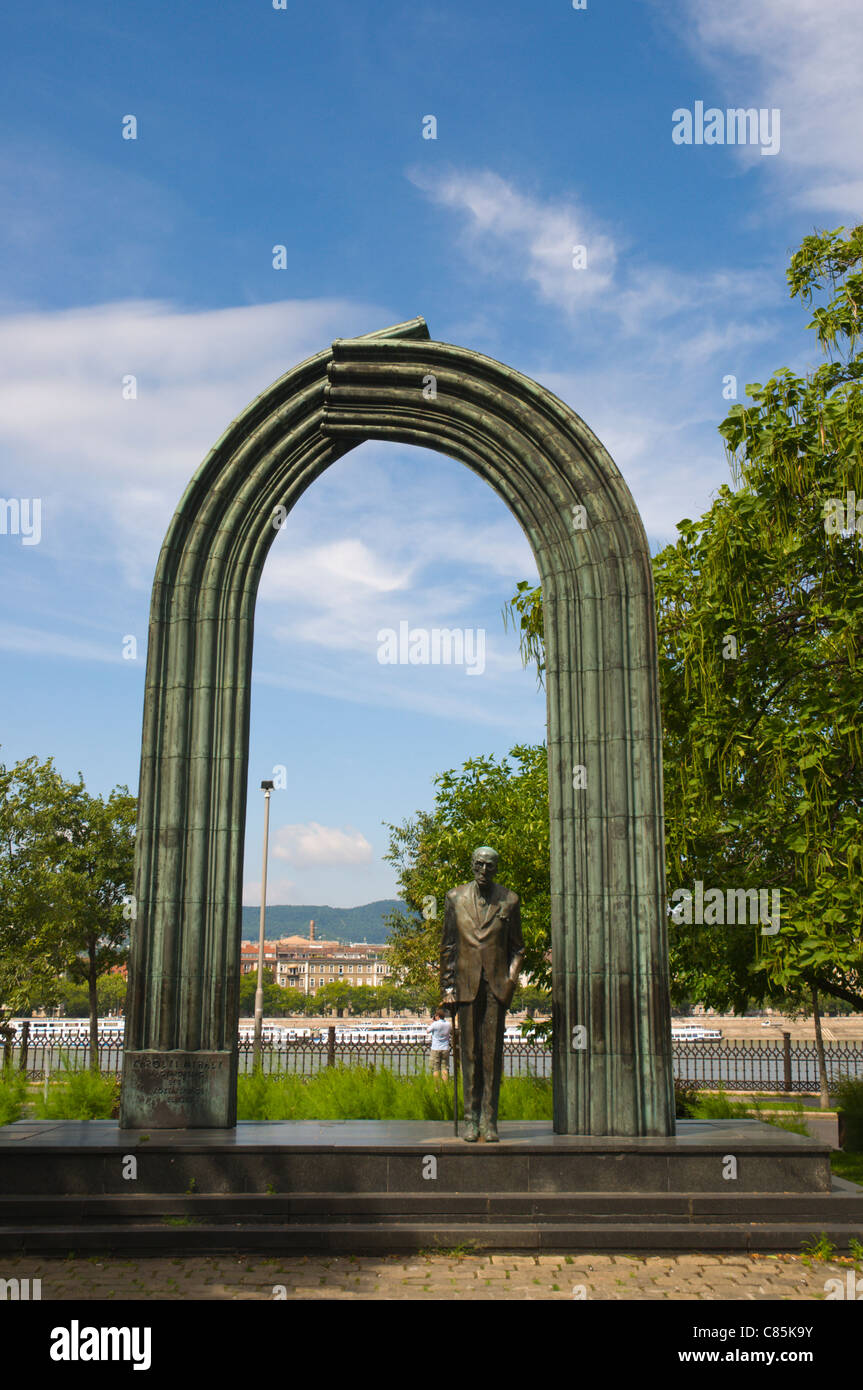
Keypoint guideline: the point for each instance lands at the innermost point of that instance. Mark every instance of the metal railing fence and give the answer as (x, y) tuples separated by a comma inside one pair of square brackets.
[(761, 1065)]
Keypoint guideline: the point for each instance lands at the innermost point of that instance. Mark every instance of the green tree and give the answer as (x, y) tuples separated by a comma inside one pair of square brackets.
[(499, 803), (310, 1006), (293, 1002), (31, 959), (364, 999), (277, 1001), (246, 992), (531, 999), (335, 995), (111, 993), (95, 874), (761, 635), (66, 870), (73, 999), (760, 618), (393, 997)]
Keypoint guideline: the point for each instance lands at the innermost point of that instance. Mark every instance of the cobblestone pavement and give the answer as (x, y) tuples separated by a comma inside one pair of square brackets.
[(433, 1275)]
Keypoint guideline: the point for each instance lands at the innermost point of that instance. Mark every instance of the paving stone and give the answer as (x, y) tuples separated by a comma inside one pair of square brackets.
[(687, 1277)]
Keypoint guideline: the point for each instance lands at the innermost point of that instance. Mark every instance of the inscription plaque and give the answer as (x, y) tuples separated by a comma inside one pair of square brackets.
[(178, 1089)]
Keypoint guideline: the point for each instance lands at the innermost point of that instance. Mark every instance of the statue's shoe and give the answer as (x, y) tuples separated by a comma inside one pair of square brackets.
[(489, 1133), (471, 1131)]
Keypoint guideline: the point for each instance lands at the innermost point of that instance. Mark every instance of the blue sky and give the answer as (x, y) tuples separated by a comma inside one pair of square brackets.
[(303, 127)]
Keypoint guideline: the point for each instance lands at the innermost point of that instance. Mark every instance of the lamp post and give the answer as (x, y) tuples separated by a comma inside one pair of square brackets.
[(266, 788)]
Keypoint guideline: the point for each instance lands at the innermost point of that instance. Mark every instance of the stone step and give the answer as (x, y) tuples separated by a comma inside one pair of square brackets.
[(386, 1236), (92, 1157), (845, 1203), (398, 1186)]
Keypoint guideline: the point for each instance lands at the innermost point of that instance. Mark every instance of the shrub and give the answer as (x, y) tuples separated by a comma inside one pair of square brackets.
[(685, 1100), (525, 1098), (13, 1093), (817, 1248), (374, 1093), (82, 1095), (849, 1101), (849, 1095), (847, 1165), (719, 1106), (791, 1119)]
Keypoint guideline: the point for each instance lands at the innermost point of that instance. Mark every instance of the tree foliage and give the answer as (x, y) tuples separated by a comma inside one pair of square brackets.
[(488, 802), (66, 867), (340, 996), (760, 615), (278, 1002), (73, 999), (760, 619), (31, 959)]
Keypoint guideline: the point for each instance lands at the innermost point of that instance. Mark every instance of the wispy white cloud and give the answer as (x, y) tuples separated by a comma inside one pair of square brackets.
[(436, 550), (529, 238), (653, 350), (312, 843), (119, 466), (37, 642), (505, 697), (371, 544), (500, 220), (804, 59), (432, 567), (332, 573)]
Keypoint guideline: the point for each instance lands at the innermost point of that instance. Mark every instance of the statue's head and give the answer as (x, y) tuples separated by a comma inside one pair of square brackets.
[(484, 862)]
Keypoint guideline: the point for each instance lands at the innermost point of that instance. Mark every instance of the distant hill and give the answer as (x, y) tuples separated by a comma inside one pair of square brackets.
[(331, 923)]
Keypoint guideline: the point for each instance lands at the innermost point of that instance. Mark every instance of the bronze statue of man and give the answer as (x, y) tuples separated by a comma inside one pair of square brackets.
[(481, 957)]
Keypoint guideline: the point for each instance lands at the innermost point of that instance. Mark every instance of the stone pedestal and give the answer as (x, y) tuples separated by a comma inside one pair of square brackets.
[(179, 1090), (353, 1186)]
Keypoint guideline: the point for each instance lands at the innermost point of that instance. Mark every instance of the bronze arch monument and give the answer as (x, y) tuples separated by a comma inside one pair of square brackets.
[(612, 1049)]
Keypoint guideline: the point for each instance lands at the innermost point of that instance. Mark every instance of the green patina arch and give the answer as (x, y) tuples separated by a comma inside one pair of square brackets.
[(612, 1051)]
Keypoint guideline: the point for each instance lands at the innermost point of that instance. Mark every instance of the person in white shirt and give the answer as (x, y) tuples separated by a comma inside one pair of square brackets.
[(440, 1032)]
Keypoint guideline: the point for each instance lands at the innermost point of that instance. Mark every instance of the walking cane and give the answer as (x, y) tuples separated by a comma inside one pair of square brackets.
[(455, 1061)]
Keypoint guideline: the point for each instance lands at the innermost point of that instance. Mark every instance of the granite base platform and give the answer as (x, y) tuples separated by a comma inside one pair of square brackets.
[(364, 1185)]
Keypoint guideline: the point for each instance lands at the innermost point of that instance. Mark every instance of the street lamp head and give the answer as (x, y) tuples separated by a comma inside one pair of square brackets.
[(267, 786)]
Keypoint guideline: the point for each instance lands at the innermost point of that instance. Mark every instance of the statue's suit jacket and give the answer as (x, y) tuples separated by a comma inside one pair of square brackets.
[(477, 936)]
